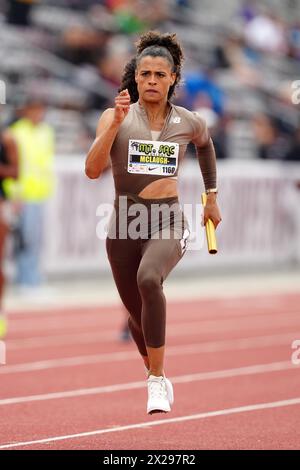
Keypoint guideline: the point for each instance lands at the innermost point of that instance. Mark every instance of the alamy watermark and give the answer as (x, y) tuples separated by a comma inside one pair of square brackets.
[(156, 221), (2, 92), (2, 353), (296, 92), (295, 358)]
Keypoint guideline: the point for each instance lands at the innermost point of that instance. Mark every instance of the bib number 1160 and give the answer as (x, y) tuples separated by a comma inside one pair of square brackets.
[(168, 169)]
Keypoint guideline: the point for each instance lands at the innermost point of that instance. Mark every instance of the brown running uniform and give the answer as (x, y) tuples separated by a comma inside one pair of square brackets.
[(147, 237)]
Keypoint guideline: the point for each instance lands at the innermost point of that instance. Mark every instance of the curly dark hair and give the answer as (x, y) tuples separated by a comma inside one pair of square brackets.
[(154, 44)]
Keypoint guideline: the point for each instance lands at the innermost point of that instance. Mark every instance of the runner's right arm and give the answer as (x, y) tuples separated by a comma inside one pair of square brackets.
[(108, 127)]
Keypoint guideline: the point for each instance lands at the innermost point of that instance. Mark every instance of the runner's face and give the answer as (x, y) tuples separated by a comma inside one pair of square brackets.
[(154, 77)]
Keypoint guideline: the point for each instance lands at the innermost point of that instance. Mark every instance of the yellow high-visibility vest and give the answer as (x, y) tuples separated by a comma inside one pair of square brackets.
[(36, 160)]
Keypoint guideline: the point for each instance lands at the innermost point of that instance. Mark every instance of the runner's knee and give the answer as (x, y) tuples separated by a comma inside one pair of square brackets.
[(148, 281)]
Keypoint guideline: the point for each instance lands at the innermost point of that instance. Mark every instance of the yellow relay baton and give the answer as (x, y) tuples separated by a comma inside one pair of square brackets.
[(210, 231)]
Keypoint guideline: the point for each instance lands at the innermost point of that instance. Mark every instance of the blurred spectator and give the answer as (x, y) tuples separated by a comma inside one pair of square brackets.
[(244, 61), (217, 129), (35, 140), (266, 32), (81, 45), (271, 143), (201, 88), (293, 154), (113, 60), (18, 12), (8, 168), (135, 16), (294, 41), (248, 10), (183, 3)]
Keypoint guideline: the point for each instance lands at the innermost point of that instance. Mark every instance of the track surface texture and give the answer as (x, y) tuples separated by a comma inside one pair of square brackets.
[(70, 383)]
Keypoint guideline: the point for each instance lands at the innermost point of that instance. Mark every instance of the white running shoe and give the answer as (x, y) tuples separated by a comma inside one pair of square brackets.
[(170, 391), (158, 401)]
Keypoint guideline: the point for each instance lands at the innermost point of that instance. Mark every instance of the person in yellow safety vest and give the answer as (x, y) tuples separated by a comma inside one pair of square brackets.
[(35, 185)]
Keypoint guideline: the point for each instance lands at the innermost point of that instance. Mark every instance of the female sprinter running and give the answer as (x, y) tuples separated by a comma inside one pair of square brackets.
[(146, 137)]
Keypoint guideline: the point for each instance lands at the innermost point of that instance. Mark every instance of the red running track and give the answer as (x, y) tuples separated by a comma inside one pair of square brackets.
[(70, 384)]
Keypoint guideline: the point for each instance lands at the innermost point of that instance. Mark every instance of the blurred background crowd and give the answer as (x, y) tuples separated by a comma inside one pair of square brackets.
[(241, 60)]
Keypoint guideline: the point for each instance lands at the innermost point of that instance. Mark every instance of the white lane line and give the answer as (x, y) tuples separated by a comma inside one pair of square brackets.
[(206, 347), (203, 376), (174, 330), (180, 419), (238, 324), (226, 294), (217, 308), (62, 340), (74, 339), (54, 325)]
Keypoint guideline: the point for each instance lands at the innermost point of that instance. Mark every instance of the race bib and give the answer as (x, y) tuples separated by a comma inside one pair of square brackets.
[(152, 157)]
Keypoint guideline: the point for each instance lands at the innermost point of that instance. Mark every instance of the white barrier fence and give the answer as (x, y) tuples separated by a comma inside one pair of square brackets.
[(259, 201)]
